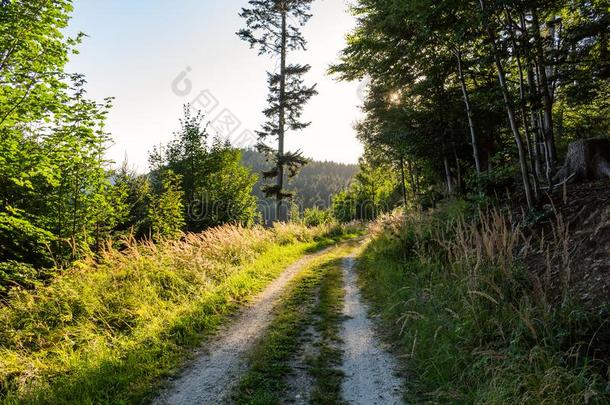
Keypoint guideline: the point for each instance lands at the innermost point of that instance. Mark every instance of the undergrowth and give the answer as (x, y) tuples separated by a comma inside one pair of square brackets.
[(110, 330), (474, 325)]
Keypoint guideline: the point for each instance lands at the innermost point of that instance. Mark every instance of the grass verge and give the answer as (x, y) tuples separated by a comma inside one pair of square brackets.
[(111, 332), (475, 326), (265, 381)]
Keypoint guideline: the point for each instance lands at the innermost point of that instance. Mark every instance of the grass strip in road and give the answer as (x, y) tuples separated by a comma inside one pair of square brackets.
[(325, 368), (265, 381)]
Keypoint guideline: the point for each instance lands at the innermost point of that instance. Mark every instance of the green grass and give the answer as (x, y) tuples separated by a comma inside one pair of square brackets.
[(265, 381), (476, 329), (112, 332), (324, 368)]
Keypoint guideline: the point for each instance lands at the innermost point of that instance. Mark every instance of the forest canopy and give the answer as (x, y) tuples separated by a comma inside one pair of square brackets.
[(482, 95)]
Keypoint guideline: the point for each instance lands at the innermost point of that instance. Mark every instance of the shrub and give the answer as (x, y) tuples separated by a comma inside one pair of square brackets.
[(22, 241), (316, 217)]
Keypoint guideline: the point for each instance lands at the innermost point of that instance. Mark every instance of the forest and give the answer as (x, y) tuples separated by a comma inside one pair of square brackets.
[(314, 186), (469, 245)]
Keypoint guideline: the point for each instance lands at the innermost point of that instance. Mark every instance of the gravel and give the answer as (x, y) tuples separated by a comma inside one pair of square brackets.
[(217, 368), (370, 371)]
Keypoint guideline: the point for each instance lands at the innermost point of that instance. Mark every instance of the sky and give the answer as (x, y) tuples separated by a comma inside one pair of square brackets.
[(154, 56)]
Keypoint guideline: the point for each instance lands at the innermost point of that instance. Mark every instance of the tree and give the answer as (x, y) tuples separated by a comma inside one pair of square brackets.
[(374, 191), (273, 26), (217, 188), (56, 201), (137, 193), (166, 209), (314, 186), (525, 72), (510, 109)]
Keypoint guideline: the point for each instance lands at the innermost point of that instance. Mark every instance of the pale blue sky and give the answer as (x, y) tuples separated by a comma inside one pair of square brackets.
[(137, 48)]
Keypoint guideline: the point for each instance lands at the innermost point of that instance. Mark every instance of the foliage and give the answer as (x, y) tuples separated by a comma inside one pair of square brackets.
[(374, 191), (137, 191), (165, 211), (22, 241), (316, 217), (54, 188), (453, 84), (314, 186), (217, 189)]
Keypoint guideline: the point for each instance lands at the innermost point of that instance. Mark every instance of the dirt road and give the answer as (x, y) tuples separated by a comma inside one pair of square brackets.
[(211, 377), (370, 371)]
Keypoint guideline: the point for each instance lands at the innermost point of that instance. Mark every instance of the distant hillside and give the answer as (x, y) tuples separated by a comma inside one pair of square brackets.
[(314, 186)]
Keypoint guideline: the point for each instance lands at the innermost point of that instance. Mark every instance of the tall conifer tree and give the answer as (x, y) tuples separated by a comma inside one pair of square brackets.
[(274, 27)]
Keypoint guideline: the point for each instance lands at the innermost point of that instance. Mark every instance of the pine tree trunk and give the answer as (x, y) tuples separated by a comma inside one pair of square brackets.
[(282, 120), (473, 136)]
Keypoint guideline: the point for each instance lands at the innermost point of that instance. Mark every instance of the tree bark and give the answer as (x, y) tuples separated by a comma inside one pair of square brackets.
[(458, 170), (448, 175), (403, 181), (282, 120), (537, 131), (510, 112), (473, 136), (414, 186), (547, 101), (523, 104)]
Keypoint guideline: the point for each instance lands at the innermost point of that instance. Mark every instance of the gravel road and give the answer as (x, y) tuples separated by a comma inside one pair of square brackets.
[(217, 368), (370, 371)]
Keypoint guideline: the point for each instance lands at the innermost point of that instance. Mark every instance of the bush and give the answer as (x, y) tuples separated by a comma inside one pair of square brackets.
[(315, 217), (502, 179), (22, 241), (16, 274)]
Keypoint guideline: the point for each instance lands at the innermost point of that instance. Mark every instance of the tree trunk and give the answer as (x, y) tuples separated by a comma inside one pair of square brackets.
[(523, 103), (536, 125), (448, 176), (537, 134), (473, 136), (547, 101), (510, 112), (459, 171), (586, 160), (403, 181), (282, 122), (414, 189)]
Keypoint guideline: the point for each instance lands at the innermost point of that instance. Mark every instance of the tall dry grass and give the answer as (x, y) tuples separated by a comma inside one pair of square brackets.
[(108, 329), (476, 325)]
